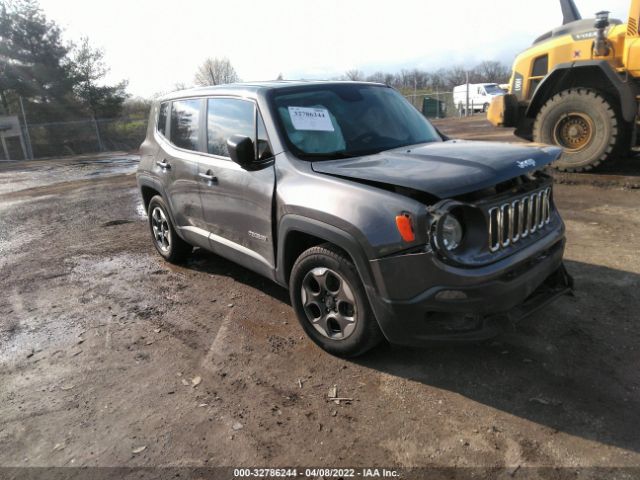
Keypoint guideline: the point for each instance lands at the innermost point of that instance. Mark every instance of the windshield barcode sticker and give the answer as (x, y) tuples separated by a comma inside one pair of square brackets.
[(317, 119)]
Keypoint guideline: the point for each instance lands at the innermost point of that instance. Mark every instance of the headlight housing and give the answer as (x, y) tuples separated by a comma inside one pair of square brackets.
[(451, 232)]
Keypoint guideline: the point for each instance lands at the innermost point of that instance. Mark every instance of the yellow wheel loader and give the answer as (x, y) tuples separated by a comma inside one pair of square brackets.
[(578, 86)]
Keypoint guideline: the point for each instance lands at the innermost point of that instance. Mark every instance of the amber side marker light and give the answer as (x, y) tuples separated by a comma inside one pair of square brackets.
[(403, 222)]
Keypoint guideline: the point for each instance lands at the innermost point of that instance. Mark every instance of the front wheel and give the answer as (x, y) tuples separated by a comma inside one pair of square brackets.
[(330, 302), (584, 124)]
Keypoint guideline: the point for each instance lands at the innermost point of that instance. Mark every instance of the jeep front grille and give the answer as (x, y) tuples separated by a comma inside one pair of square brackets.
[(517, 219)]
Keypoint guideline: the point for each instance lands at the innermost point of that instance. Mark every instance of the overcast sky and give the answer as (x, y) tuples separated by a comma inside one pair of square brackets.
[(155, 44)]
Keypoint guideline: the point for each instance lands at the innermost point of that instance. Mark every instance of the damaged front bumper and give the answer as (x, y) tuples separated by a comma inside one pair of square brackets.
[(420, 300)]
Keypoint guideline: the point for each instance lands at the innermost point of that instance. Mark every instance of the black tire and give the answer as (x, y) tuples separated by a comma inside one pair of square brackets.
[(172, 248), (485, 107), (595, 121), (365, 333)]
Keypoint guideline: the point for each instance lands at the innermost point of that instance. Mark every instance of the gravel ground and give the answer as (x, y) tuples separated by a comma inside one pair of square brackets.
[(111, 357)]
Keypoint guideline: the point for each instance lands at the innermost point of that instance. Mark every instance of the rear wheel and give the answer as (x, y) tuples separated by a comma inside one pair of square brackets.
[(167, 242), (330, 302), (584, 124)]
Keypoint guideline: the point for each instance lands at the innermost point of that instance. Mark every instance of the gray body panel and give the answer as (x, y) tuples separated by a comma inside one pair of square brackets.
[(249, 215), (445, 169)]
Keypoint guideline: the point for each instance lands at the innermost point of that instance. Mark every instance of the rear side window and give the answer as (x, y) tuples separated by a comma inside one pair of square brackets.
[(227, 117), (185, 120), (162, 118)]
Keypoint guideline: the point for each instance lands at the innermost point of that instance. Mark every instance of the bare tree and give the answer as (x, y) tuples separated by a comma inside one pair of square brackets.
[(438, 79), (216, 71), (456, 76), (376, 77), (493, 72), (405, 79), (354, 75), (389, 78), (420, 78)]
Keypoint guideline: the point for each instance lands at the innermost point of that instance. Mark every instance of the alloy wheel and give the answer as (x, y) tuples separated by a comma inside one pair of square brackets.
[(329, 303), (161, 230)]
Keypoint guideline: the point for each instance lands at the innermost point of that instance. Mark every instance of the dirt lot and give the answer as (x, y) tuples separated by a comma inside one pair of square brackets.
[(102, 345)]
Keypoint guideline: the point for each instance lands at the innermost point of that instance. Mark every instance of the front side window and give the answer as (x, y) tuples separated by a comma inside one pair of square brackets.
[(227, 117), (162, 118), (345, 120), (185, 120), (263, 147), (493, 89)]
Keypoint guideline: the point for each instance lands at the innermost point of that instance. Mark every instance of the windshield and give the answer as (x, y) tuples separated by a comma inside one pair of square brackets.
[(334, 120), (493, 90)]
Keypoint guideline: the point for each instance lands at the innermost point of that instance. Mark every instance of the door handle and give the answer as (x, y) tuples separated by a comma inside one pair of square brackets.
[(163, 164), (209, 176)]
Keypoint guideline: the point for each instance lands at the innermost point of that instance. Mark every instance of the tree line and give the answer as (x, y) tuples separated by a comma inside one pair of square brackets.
[(443, 79), (216, 71)]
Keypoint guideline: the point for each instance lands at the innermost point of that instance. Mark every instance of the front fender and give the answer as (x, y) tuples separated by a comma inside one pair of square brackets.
[(567, 75), (347, 242), (332, 234)]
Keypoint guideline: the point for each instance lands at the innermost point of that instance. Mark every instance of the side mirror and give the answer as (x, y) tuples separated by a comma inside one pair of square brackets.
[(241, 150)]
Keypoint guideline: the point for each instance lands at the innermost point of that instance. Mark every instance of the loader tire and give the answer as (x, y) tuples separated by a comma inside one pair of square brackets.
[(582, 122)]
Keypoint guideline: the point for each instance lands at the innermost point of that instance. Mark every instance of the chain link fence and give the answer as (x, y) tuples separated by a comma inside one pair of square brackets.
[(441, 105), (55, 139)]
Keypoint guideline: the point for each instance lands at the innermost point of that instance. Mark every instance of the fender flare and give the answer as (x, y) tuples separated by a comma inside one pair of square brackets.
[(346, 241), (332, 234), (559, 74)]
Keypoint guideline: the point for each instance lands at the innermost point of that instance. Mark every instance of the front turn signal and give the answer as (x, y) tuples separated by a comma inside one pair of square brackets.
[(405, 227)]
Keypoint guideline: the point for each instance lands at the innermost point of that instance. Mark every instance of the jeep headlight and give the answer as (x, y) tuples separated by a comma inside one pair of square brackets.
[(451, 232)]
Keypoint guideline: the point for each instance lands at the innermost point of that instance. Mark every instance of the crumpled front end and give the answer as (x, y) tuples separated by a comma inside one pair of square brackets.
[(508, 265)]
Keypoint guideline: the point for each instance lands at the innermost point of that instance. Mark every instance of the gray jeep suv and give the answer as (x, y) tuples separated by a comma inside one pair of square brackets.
[(379, 225)]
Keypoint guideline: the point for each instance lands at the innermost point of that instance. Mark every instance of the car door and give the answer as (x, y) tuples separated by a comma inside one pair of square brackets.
[(237, 202), (177, 164)]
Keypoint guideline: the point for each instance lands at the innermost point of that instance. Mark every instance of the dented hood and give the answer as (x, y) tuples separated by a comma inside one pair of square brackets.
[(444, 169)]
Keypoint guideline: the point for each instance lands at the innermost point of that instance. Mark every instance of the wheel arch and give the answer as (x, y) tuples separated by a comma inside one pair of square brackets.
[(597, 75), (149, 187), (297, 233), (147, 194)]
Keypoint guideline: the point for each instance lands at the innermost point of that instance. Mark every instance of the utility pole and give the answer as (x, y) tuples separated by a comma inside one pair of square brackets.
[(466, 112), (26, 130), (95, 125)]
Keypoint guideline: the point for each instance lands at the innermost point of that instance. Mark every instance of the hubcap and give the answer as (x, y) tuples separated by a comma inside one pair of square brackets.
[(573, 131), (161, 231), (329, 303)]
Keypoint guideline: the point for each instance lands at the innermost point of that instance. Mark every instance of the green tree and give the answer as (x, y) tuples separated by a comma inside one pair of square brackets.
[(89, 71), (33, 61)]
